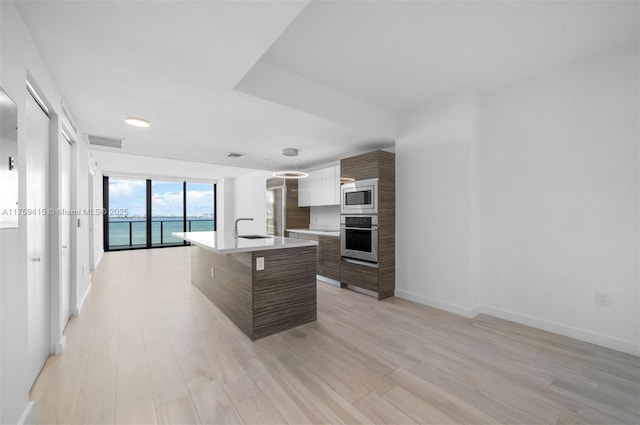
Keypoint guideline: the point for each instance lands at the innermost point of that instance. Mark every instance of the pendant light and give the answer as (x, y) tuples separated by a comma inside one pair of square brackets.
[(290, 174)]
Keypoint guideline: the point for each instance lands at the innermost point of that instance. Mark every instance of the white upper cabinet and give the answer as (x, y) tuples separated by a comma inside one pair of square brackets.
[(304, 192), (322, 187), (315, 183)]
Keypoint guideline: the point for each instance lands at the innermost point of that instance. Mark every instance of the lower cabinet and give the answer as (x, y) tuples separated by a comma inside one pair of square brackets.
[(359, 275), (329, 257), (328, 254)]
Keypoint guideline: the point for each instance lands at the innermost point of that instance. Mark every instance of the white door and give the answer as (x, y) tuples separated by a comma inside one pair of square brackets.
[(65, 231), (37, 169)]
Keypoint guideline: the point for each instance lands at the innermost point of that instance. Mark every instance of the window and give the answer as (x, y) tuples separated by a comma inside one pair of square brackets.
[(200, 207), (127, 218), (167, 212), (144, 213)]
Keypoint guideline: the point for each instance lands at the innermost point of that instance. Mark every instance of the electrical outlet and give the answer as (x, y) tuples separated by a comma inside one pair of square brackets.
[(213, 272), (260, 263), (602, 299)]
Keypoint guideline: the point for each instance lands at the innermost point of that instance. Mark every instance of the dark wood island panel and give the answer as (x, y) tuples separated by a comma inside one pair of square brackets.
[(284, 293), (259, 302)]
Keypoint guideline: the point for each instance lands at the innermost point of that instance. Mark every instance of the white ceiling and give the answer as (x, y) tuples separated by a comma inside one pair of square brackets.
[(177, 63), (400, 54)]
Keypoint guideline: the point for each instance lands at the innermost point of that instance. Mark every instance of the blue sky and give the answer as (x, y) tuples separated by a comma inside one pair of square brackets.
[(166, 198)]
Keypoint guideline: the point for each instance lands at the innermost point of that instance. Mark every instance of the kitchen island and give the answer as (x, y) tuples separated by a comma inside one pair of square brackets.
[(264, 285)]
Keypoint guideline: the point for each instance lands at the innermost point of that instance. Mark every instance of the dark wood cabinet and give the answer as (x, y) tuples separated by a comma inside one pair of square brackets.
[(329, 257), (371, 165), (328, 263), (295, 216)]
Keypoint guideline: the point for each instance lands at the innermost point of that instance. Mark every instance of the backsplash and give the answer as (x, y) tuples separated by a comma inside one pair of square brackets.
[(325, 217)]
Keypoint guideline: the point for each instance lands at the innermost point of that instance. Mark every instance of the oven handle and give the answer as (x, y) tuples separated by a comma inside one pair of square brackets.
[(362, 263), (372, 228)]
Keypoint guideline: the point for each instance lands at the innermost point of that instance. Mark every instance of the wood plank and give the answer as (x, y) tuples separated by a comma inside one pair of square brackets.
[(251, 403), (142, 414), (133, 382), (381, 411), (178, 412), (213, 405), (166, 377), (418, 409)]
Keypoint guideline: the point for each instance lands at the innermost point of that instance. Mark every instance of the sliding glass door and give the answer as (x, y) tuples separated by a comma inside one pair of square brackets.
[(127, 218), (144, 213), (167, 212), (201, 198)]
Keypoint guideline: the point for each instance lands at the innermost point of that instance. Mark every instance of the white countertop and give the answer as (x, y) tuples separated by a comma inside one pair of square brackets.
[(333, 233), (211, 241)]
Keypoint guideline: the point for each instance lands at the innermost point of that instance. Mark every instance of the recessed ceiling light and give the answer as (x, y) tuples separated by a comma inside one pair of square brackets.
[(137, 122)]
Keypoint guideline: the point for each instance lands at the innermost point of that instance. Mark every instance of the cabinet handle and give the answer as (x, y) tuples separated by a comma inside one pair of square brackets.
[(36, 259)]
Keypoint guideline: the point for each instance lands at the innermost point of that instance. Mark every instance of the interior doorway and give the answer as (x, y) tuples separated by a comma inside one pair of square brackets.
[(38, 294), (65, 229)]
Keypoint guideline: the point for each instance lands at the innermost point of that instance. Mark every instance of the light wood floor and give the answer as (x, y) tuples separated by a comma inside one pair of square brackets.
[(150, 348)]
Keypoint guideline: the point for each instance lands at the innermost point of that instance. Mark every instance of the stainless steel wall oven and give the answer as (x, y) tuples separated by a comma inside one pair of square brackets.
[(359, 237)]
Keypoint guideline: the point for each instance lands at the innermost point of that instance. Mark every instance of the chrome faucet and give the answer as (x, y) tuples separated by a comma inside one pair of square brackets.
[(235, 228)]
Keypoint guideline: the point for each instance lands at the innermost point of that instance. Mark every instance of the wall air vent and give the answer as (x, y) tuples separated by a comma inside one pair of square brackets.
[(235, 155), (105, 141)]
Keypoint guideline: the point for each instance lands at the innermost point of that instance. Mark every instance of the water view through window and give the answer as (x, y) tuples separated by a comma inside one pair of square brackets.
[(135, 206)]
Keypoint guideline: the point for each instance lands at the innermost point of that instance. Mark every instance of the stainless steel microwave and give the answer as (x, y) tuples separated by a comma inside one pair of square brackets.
[(359, 197)]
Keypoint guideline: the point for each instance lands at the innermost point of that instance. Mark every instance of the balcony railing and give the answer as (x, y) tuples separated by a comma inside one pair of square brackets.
[(133, 233)]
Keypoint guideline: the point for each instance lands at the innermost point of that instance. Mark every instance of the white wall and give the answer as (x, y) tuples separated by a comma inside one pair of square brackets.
[(18, 58), (251, 201), (81, 263), (325, 217), (225, 208), (146, 167), (523, 202), (433, 205), (559, 155)]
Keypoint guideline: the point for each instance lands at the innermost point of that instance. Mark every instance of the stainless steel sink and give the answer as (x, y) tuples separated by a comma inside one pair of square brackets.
[(254, 237)]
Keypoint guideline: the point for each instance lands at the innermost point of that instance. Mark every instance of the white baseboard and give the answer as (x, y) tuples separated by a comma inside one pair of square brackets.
[(557, 328), (59, 347), (76, 311), (28, 414), (440, 305)]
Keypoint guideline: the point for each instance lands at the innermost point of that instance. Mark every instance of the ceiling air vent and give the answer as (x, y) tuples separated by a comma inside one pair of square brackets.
[(235, 155), (105, 141)]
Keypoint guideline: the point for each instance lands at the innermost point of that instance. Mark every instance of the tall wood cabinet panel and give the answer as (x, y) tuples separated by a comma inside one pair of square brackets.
[(380, 165), (296, 216)]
